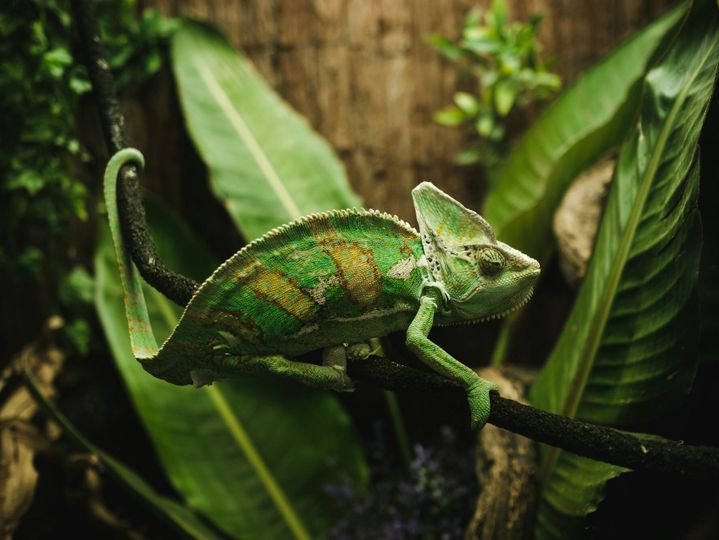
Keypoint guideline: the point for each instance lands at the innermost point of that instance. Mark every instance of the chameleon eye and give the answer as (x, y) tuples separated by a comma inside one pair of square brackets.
[(491, 261)]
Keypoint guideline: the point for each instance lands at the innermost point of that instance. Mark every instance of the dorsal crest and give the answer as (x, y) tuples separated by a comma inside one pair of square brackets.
[(443, 218), (451, 233)]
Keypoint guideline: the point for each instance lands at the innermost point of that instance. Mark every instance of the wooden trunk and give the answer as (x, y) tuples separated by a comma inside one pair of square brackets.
[(364, 76)]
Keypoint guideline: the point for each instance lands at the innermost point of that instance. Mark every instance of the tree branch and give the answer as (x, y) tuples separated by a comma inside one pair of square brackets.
[(590, 440), (593, 441), (176, 287)]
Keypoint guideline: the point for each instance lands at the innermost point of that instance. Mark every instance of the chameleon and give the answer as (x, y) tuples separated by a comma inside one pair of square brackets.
[(331, 281)]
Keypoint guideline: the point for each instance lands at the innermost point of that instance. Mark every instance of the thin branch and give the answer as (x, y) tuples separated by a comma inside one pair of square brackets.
[(590, 440), (176, 287), (593, 441)]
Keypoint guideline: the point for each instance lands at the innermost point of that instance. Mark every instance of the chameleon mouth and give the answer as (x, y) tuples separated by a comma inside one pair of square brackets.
[(523, 302), (527, 297)]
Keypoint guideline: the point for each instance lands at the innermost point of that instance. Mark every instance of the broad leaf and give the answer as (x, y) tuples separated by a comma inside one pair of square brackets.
[(266, 164), (252, 454), (174, 514), (628, 350), (587, 120)]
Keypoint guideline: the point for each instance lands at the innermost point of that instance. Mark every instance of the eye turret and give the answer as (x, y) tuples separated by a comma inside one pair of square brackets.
[(491, 261)]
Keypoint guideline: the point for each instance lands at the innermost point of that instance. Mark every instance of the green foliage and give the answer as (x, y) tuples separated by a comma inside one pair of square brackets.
[(628, 352), (585, 122), (174, 514), (502, 60), (41, 80), (75, 295), (267, 165), (39, 86), (251, 454), (136, 49)]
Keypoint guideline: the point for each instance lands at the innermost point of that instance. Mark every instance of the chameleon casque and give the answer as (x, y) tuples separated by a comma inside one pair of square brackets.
[(331, 281)]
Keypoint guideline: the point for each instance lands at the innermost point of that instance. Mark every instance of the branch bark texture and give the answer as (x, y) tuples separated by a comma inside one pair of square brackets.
[(174, 286)]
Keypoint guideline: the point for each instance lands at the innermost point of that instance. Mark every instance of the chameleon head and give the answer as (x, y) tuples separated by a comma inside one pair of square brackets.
[(481, 277)]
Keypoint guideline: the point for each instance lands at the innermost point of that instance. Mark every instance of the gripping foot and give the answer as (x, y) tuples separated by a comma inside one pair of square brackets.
[(478, 398)]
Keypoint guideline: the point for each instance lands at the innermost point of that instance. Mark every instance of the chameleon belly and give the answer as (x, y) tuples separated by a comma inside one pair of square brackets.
[(337, 277)]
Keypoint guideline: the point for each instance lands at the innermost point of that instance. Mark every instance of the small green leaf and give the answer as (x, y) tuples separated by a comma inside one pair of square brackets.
[(445, 46), (509, 63), (467, 103), (497, 133), (30, 180), (450, 116), (489, 79), (80, 85), (550, 81), (485, 124), (468, 156), (56, 60), (76, 288), (505, 94), (479, 43), (498, 11), (79, 335), (473, 18)]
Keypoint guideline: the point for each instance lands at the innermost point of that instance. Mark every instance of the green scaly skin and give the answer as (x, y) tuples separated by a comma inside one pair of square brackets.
[(332, 279)]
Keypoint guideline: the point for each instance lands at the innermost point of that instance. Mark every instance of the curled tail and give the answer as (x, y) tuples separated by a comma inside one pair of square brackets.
[(144, 346), (174, 363)]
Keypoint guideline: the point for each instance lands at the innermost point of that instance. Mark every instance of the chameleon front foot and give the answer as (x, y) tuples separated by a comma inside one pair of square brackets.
[(479, 403)]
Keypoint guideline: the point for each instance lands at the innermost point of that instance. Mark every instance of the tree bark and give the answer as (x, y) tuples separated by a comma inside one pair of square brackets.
[(364, 76)]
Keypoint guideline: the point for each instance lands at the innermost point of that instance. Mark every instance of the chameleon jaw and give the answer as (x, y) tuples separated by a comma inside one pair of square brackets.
[(523, 302), (527, 297)]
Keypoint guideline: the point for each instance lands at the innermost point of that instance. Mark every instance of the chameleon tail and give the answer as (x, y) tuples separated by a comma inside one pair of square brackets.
[(142, 339)]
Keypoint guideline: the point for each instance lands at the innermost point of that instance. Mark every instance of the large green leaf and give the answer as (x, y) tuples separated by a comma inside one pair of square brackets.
[(266, 164), (254, 455), (587, 120), (628, 351), (173, 513)]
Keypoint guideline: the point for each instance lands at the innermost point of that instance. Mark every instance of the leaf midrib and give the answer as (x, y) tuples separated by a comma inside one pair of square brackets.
[(601, 315), (243, 440), (244, 132)]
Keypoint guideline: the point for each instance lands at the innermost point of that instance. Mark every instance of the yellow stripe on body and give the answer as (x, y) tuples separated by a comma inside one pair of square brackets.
[(276, 287), (357, 271)]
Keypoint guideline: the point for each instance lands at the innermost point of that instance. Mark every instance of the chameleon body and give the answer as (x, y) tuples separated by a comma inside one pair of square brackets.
[(331, 281)]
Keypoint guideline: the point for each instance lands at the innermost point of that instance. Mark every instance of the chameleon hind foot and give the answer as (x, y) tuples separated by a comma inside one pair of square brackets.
[(479, 404), (337, 355), (359, 351), (327, 377), (334, 359)]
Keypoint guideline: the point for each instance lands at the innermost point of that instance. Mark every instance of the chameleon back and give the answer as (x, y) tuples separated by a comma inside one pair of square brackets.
[(337, 277)]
